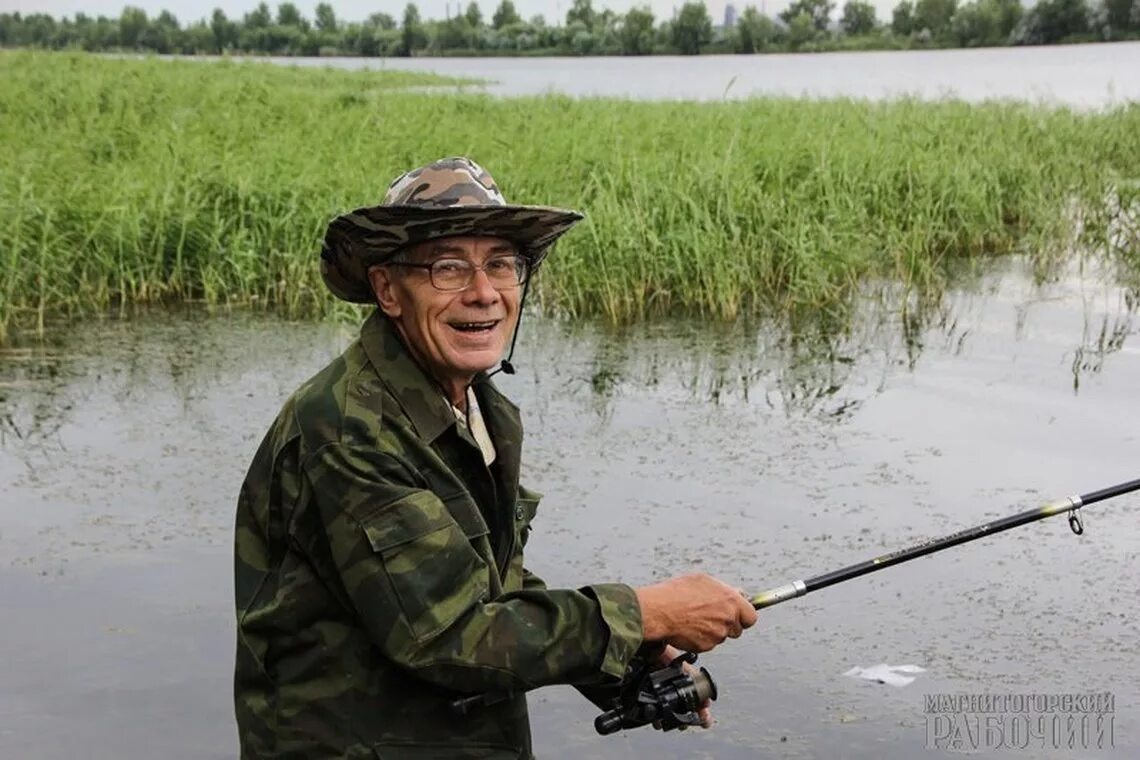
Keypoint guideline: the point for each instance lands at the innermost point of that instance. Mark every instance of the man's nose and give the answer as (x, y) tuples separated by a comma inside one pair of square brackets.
[(481, 290)]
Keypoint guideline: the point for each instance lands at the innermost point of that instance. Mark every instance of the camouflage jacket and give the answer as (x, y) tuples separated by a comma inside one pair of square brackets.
[(379, 575)]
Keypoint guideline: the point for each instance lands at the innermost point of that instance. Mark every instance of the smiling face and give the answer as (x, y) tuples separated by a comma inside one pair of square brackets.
[(453, 334)]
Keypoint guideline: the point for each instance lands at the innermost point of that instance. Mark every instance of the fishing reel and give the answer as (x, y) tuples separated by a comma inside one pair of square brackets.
[(668, 697)]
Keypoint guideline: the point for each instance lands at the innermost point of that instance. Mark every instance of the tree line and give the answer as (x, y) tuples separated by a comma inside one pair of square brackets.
[(806, 25)]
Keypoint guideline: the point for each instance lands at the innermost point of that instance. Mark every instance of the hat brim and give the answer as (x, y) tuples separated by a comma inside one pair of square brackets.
[(368, 236)]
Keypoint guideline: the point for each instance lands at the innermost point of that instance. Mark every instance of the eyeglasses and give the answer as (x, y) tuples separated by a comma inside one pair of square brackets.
[(503, 272)]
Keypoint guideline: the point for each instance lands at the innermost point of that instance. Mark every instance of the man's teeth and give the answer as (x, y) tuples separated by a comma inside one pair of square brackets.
[(474, 325)]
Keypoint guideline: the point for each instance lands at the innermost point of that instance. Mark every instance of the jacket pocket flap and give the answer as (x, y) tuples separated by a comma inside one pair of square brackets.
[(406, 519)]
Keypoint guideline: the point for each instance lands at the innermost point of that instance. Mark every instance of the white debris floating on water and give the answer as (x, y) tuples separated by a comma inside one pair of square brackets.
[(892, 675)]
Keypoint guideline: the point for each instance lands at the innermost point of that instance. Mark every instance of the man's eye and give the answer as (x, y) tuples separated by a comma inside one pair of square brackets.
[(500, 266), (450, 267)]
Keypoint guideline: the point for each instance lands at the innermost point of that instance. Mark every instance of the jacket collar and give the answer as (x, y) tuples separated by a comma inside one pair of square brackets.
[(423, 400)]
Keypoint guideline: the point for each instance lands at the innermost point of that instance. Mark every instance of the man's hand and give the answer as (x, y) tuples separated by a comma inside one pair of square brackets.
[(693, 612)]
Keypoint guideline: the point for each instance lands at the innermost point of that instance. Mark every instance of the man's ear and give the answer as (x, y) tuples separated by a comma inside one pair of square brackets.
[(384, 288)]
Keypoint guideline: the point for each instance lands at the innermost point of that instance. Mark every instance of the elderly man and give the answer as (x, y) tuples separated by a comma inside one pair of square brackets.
[(380, 529)]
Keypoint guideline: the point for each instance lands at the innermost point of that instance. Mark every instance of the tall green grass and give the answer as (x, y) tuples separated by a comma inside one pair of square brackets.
[(127, 181)]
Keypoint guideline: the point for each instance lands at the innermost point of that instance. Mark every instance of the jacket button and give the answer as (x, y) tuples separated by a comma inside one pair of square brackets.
[(519, 512)]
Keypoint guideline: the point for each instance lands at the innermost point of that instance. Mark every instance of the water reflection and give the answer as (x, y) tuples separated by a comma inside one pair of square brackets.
[(814, 364), (31, 379), (830, 364)]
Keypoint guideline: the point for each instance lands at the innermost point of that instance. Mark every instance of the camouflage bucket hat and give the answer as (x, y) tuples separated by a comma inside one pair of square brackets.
[(453, 196)]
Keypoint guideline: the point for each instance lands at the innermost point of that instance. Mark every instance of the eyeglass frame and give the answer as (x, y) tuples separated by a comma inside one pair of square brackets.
[(520, 258)]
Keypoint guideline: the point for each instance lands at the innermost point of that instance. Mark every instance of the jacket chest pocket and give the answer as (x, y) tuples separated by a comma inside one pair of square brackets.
[(432, 567)]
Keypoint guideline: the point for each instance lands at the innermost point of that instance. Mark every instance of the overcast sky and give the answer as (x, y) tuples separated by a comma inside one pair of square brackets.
[(356, 10)]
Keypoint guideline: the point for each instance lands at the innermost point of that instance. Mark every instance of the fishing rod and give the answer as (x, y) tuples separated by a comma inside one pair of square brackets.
[(1071, 504), (671, 696)]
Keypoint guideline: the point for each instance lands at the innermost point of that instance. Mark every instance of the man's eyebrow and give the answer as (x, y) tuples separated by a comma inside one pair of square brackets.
[(439, 248), (446, 248)]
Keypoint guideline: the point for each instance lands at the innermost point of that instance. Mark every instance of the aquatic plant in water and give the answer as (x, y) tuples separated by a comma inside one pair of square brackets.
[(144, 181)]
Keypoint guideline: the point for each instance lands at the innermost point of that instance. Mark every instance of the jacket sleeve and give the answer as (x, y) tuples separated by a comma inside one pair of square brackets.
[(422, 592)]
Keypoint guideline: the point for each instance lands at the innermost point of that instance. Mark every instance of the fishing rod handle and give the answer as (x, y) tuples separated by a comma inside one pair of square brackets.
[(779, 594)]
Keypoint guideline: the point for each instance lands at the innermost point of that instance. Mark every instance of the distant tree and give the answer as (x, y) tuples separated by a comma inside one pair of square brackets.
[(858, 17), (754, 31), (225, 31), (360, 39), (607, 22), (1051, 21), (167, 19), (474, 15), (253, 31), (1121, 16), (382, 21), (578, 38), (283, 40), (985, 22), (325, 20), (44, 30), (636, 31), (412, 34), (545, 36), (520, 35), (259, 17), (505, 15), (802, 29), (902, 19), (581, 10), (693, 28), (606, 32), (198, 38), (819, 11), (10, 29), (288, 15), (976, 24), (454, 33), (1010, 13), (163, 34), (934, 15), (132, 26), (13, 30)]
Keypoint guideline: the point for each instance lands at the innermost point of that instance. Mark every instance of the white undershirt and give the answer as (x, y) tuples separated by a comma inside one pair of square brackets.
[(473, 421)]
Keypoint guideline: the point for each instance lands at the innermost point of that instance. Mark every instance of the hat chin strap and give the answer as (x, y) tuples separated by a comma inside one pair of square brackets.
[(505, 366)]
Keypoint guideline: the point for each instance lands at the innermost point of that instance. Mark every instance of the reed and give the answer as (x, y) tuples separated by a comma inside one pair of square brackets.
[(138, 181)]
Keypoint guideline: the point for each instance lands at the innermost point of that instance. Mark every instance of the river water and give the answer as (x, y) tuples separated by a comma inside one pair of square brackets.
[(1081, 76), (737, 450)]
